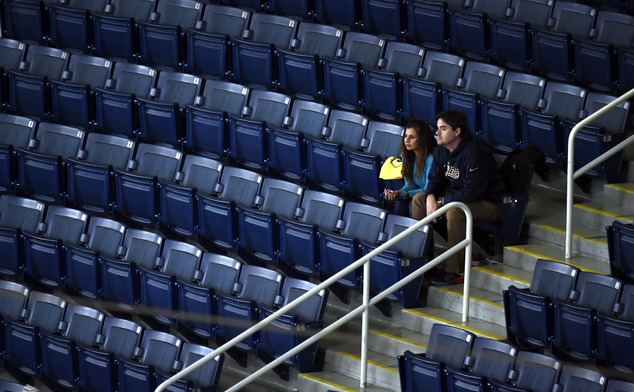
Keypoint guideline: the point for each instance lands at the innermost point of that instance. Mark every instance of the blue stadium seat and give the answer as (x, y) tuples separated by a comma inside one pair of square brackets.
[(383, 86), (489, 359), (24, 20), (162, 36), (72, 96), (248, 133), (254, 59), (575, 378), (615, 385), (91, 177), (259, 226), (208, 42), (343, 84), (614, 333), (287, 146), (13, 297), (302, 9), (533, 372), (574, 324), (205, 378), (421, 92), (207, 130), (600, 135), (17, 214), (178, 198), (595, 60), (257, 286), (197, 299), (97, 367), (553, 46), (560, 108), (479, 80), (115, 105), (119, 275), (510, 37), (301, 65), (157, 352), (81, 325), (178, 262), (161, 112), (283, 334), (345, 130), (137, 194), (16, 133), (346, 13), (388, 268), (299, 241), (620, 238), (529, 312), (11, 386), (469, 26), (29, 91), (362, 167), (448, 347), (103, 237), (70, 24), (11, 56), (500, 115), (427, 23), (44, 256), (625, 66), (383, 17), (360, 223), (116, 30), (42, 166), (42, 313), (251, 5)]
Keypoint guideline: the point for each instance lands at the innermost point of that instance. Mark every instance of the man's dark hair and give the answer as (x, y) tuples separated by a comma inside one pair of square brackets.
[(455, 119)]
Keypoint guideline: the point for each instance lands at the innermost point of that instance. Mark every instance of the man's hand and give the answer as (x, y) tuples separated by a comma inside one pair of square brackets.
[(431, 204), (391, 195)]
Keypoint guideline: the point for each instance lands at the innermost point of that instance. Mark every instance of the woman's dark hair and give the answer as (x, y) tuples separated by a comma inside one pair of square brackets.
[(426, 146), (455, 119)]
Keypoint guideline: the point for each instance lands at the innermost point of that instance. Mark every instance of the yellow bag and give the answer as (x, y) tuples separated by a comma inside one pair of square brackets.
[(391, 169)]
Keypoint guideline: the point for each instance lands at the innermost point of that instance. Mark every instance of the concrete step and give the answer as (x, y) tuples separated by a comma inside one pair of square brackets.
[(620, 194), (421, 320), (586, 241), (483, 304), (394, 341), (334, 381), (498, 277), (346, 359), (525, 257), (600, 214)]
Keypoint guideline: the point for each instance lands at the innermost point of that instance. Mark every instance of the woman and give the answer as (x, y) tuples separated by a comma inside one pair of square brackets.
[(416, 148)]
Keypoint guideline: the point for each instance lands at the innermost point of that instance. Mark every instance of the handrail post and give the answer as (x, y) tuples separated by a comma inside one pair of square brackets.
[(365, 322), (570, 173), (467, 264)]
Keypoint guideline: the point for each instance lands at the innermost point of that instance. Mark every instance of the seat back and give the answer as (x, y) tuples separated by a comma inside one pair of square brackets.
[(493, 9), (134, 9), (45, 311), (209, 374), (321, 209), (65, 224), (597, 291), (259, 284), (219, 272), (224, 96), (158, 161), (414, 245), (364, 49), (483, 78), (536, 12), (20, 213), (615, 385), (523, 89), (318, 39), (112, 150), (281, 198), (620, 244), (309, 118), (443, 68), (492, 358), (269, 107), (225, 20), (10, 386), (618, 118), (537, 372), (142, 247), (176, 87), (160, 350), (403, 58), (121, 336), (627, 302), (82, 324), (182, 13), (105, 236), (134, 79), (363, 222), (240, 185), (11, 53), (312, 309), (181, 259), (45, 62), (272, 29), (13, 298), (564, 100), (88, 70), (573, 18), (576, 378), (16, 130), (449, 344), (553, 279), (201, 173), (384, 139), (347, 129), (59, 140)]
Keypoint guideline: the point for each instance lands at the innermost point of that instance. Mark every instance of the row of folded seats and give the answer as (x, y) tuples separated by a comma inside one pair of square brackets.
[(620, 236), (206, 294), (305, 139), (13, 386), (75, 346), (457, 360), (578, 314), (566, 40)]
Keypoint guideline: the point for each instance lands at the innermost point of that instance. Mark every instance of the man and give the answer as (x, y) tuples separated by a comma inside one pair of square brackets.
[(461, 171)]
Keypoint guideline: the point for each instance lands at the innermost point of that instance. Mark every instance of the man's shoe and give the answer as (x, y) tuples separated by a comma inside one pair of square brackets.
[(448, 279)]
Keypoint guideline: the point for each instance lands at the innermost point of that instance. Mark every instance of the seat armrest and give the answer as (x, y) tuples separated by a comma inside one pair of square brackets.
[(237, 288), (381, 63), (62, 326), (259, 201), (138, 352), (299, 212), (199, 101), (200, 25), (82, 154), (42, 227), (33, 144), (159, 262), (198, 275), (24, 66), (67, 75), (246, 111), (218, 188), (325, 132), (100, 339), (155, 17), (461, 82), (382, 237), (179, 176), (155, 92), (279, 301), (177, 365), (108, 9), (288, 121), (294, 44), (340, 225), (84, 238), (132, 165), (421, 72), (110, 83), (247, 34), (121, 251), (25, 314)]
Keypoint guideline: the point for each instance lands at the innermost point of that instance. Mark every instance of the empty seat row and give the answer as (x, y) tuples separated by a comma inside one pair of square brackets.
[(579, 314), (456, 359), (76, 346)]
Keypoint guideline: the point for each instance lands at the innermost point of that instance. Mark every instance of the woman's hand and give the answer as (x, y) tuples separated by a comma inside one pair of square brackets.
[(391, 194)]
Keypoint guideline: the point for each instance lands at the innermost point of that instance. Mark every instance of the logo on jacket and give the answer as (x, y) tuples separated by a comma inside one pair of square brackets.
[(452, 172)]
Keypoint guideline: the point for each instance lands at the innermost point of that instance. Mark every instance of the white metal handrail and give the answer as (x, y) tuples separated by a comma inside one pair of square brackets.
[(367, 302), (572, 175)]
